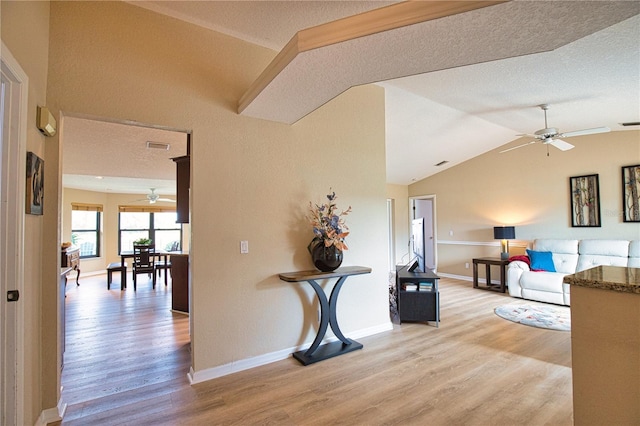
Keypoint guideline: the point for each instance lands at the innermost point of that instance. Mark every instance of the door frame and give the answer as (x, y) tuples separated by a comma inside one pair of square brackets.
[(434, 241), (13, 170)]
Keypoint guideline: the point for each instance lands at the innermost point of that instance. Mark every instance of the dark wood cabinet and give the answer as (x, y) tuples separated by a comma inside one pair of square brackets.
[(183, 176), (70, 258), (180, 282), (418, 295)]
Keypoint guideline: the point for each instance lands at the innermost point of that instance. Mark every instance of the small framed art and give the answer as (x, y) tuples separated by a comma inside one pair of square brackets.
[(585, 201), (35, 184), (631, 193)]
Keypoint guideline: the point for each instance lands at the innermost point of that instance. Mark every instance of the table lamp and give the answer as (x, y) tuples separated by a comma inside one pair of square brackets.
[(504, 233)]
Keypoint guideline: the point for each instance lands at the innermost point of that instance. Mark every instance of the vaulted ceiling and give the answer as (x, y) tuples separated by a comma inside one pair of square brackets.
[(457, 86)]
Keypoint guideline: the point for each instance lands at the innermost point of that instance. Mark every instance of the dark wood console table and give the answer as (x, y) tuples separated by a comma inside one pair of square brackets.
[(488, 261), (328, 316), (70, 258)]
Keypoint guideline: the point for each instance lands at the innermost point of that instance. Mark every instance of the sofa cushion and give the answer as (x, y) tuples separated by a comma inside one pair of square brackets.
[(602, 252), (541, 260), (565, 253), (634, 254), (542, 281)]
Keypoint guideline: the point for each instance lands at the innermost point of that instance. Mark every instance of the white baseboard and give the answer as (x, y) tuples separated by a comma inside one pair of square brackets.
[(52, 415), (245, 364), (465, 278)]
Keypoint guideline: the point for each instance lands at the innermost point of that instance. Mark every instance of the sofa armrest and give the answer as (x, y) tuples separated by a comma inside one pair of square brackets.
[(514, 272)]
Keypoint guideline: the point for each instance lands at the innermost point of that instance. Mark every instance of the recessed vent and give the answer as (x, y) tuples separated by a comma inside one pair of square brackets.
[(631, 123), (158, 145), (442, 163)]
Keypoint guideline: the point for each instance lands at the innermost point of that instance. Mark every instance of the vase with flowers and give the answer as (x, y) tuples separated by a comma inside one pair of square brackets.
[(329, 232)]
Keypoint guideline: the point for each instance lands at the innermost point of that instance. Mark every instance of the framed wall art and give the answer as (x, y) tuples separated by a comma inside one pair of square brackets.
[(35, 184), (631, 193), (585, 201)]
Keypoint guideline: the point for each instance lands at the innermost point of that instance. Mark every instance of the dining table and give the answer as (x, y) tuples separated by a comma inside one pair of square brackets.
[(162, 255)]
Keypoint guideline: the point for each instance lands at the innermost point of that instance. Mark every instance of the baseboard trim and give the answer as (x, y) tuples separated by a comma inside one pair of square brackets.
[(246, 364), (52, 415), (465, 278)]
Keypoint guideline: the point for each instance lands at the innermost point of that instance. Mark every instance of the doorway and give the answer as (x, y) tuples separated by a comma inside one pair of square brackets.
[(422, 210), (13, 136)]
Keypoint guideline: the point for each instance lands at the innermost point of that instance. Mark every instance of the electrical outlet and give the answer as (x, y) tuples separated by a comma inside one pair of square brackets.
[(244, 247), (466, 265), (451, 233)]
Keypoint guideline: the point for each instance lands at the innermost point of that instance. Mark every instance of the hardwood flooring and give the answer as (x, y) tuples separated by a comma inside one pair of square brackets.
[(127, 358)]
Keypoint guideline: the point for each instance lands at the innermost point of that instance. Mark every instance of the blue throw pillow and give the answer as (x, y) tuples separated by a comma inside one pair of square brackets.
[(541, 260)]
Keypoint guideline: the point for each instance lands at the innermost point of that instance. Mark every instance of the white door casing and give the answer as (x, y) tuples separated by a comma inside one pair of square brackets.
[(13, 126)]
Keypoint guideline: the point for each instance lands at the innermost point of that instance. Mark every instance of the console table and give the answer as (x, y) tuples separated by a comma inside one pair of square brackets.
[(488, 261), (316, 352), (70, 258)]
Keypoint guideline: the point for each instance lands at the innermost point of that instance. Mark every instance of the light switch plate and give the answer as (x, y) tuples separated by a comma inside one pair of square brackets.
[(244, 247)]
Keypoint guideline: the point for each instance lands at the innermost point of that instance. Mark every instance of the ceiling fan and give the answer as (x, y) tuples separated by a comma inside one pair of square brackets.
[(153, 197), (551, 135)]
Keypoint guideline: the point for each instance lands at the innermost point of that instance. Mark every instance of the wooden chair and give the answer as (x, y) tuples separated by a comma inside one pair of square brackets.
[(143, 262), (161, 264)]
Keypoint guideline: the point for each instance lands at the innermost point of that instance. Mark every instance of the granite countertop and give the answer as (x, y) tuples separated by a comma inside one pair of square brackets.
[(614, 278)]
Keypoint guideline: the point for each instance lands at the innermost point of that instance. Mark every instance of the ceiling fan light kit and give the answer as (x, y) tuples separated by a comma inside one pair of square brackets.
[(152, 198), (552, 136)]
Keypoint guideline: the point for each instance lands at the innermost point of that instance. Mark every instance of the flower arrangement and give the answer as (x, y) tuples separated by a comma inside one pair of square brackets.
[(328, 225)]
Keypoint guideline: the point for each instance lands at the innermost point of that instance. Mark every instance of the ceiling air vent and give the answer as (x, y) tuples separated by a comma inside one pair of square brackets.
[(158, 145), (442, 163), (631, 123)]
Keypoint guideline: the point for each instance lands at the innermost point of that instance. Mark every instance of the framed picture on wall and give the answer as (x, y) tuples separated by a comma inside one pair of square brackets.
[(35, 184), (631, 193), (585, 201)]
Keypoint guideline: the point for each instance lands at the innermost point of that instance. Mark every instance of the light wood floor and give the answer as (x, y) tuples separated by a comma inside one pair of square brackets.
[(127, 359)]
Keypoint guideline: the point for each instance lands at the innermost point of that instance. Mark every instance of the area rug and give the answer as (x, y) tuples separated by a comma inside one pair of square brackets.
[(541, 316)]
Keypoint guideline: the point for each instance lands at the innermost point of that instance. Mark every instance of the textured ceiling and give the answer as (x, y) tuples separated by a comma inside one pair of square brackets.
[(111, 157), (457, 113)]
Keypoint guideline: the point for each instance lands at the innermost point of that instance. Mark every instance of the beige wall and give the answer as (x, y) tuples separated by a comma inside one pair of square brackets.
[(251, 179), (31, 53), (529, 190)]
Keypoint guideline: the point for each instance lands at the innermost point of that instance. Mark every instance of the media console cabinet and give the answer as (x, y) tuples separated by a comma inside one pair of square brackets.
[(418, 295)]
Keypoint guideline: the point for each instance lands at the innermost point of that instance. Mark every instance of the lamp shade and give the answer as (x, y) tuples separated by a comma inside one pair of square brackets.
[(504, 232)]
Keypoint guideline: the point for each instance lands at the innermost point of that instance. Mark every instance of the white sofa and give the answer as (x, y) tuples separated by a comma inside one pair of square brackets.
[(569, 256)]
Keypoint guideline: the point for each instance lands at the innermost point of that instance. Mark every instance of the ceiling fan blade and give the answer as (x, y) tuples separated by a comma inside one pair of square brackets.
[(585, 132), (516, 147), (560, 144), (166, 199)]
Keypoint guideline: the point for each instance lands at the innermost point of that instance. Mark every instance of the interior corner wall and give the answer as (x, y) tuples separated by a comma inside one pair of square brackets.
[(401, 229), (530, 190), (25, 31), (250, 179)]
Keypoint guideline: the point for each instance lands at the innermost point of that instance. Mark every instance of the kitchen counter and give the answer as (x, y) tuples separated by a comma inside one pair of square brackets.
[(614, 278), (605, 345)]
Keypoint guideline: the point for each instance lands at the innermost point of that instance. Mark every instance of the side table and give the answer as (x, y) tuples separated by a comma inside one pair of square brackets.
[(488, 262), (328, 315)]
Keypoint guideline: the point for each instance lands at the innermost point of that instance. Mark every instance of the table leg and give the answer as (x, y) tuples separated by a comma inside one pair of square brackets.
[(488, 274), (123, 278), (328, 317), (475, 275), (503, 280)]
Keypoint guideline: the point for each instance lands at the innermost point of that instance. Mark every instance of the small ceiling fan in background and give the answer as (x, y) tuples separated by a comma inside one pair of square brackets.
[(153, 197), (551, 135)]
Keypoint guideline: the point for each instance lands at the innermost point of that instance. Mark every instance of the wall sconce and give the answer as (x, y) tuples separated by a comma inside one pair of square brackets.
[(504, 233)]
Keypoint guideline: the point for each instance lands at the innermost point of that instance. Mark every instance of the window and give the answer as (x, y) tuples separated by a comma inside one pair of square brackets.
[(85, 228), (155, 223)]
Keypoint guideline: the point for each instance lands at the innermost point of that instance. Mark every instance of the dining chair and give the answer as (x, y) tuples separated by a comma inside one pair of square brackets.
[(166, 265), (143, 262)]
